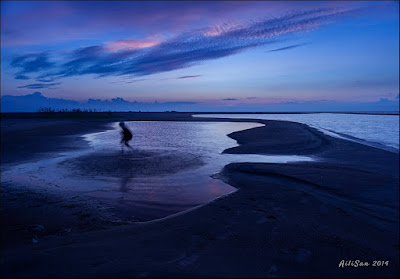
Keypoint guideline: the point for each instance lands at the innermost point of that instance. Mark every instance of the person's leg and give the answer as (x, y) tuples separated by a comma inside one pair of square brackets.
[(122, 146), (127, 144)]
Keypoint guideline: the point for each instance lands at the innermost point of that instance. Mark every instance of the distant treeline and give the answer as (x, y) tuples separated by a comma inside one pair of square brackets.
[(78, 110), (49, 112), (73, 110)]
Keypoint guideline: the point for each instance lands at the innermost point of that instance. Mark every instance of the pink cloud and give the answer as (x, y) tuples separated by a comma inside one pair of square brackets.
[(28, 23), (130, 44)]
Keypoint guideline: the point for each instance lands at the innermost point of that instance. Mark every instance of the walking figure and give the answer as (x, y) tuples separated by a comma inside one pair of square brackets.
[(126, 135)]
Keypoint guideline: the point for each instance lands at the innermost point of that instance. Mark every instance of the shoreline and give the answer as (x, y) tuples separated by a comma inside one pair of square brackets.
[(299, 214), (106, 114)]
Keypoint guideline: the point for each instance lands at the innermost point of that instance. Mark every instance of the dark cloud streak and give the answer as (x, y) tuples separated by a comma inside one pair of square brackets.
[(32, 63), (40, 85), (185, 77), (286, 48), (22, 77)]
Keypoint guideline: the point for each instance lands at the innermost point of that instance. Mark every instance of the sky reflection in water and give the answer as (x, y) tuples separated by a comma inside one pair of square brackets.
[(158, 145)]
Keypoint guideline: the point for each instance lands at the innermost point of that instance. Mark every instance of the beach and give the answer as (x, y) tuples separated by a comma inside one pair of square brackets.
[(284, 220)]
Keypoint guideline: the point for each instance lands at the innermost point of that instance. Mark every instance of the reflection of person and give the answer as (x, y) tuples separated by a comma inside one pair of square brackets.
[(124, 184), (126, 135)]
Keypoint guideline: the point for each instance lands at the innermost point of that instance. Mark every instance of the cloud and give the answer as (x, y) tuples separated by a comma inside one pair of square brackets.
[(286, 48), (31, 63), (183, 51), (23, 77), (44, 79), (130, 44), (40, 85), (230, 99), (32, 102), (251, 98), (37, 22), (185, 77), (128, 81)]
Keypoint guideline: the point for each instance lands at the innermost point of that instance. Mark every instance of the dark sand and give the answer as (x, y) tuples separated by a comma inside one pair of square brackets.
[(285, 220)]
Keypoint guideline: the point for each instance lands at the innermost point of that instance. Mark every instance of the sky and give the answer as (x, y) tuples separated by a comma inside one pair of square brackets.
[(209, 55)]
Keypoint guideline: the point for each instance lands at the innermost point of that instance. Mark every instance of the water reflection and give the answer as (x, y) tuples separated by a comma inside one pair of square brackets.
[(167, 171), (124, 184)]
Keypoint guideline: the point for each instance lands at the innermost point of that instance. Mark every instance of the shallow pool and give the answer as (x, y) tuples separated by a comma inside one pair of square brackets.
[(168, 169)]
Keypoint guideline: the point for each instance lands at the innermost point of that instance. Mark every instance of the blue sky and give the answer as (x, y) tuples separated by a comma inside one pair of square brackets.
[(217, 54)]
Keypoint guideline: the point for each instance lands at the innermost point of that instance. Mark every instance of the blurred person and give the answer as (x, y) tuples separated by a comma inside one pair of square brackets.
[(126, 135)]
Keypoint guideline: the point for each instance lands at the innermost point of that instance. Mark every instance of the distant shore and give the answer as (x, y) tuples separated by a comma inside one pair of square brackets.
[(111, 114), (285, 220)]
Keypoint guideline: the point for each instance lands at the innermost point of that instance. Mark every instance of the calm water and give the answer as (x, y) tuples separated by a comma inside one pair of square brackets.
[(377, 130), (168, 170)]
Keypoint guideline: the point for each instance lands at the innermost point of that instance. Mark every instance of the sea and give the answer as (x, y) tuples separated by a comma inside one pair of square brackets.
[(377, 130)]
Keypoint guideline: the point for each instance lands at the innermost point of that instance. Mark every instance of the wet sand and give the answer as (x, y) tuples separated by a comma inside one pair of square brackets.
[(285, 220)]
